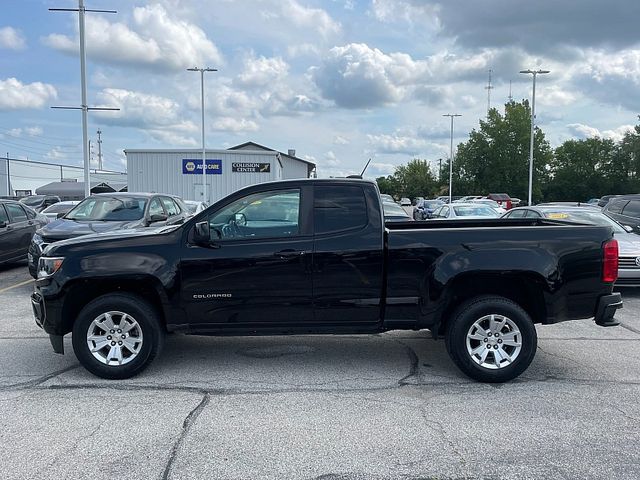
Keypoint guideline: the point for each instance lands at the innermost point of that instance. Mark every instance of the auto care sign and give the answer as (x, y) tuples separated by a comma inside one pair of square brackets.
[(246, 167), (194, 166)]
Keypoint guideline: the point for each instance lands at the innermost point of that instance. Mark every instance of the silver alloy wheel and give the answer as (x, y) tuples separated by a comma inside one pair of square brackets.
[(494, 341), (114, 338)]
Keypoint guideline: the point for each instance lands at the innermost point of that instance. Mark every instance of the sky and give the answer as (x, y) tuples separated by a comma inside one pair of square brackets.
[(339, 81)]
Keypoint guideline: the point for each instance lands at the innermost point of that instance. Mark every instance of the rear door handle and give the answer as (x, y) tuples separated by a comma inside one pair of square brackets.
[(289, 253)]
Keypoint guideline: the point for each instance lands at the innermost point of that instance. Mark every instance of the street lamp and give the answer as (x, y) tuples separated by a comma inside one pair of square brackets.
[(533, 119), (451, 153), (204, 154)]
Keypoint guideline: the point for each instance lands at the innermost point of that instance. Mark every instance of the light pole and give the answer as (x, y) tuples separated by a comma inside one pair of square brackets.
[(452, 115), (204, 154), (533, 119)]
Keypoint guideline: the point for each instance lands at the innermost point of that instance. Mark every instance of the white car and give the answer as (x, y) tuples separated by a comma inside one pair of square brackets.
[(491, 203), (405, 202), (56, 209), (195, 207), (465, 211)]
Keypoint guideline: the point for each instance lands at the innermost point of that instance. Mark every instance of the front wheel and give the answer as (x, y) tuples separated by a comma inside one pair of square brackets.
[(117, 335), (491, 339)]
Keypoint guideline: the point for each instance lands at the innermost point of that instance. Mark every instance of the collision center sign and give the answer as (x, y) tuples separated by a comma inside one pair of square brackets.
[(246, 167), (194, 166)]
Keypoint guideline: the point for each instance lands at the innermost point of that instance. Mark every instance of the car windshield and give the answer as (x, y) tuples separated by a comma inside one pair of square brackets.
[(191, 206), (33, 201), (109, 209), (490, 203), (585, 216), (393, 210), (474, 211), (433, 204)]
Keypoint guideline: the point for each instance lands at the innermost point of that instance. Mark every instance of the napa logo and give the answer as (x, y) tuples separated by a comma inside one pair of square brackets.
[(193, 166)]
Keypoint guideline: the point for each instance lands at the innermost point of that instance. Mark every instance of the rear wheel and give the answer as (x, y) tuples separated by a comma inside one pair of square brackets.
[(117, 336), (491, 339)]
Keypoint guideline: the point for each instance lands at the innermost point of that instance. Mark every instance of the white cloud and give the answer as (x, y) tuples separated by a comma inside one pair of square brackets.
[(308, 18), (340, 140), (407, 11), (16, 95), (33, 131), (377, 169), (261, 72), (235, 125), (12, 39), (585, 131), (155, 39)]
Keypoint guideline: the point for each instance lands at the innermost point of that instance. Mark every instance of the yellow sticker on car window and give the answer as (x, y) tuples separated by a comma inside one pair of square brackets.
[(257, 202), (557, 216)]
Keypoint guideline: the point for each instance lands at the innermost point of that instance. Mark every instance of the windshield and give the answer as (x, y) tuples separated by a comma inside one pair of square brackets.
[(433, 204), (191, 206), (587, 216), (33, 201), (474, 211), (490, 203), (109, 209)]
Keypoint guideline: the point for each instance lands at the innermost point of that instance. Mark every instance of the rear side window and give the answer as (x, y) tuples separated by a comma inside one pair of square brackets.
[(517, 214), (16, 213), (338, 208), (616, 206), (532, 214), (30, 213), (632, 209)]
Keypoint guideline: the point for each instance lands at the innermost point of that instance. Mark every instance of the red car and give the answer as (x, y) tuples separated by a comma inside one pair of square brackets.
[(503, 199)]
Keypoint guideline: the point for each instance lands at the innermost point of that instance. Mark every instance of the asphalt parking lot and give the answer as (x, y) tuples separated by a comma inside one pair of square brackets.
[(311, 407)]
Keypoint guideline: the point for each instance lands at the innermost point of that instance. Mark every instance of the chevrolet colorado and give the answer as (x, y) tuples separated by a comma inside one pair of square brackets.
[(315, 256)]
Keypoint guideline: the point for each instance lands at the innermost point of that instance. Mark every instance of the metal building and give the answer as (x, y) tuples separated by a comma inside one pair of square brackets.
[(179, 172)]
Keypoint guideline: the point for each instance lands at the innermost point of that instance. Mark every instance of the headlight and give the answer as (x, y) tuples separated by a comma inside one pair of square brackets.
[(47, 266), (37, 239)]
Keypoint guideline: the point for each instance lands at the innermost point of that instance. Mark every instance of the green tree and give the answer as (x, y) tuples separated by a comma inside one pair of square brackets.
[(496, 156), (415, 179)]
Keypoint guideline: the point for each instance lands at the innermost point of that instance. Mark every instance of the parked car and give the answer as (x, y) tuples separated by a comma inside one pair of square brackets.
[(194, 207), (467, 211), (503, 199), (515, 202), (606, 199), (569, 204), (40, 202), (593, 201), (625, 210), (490, 203), (244, 267), (387, 198), (18, 223), (394, 212), (405, 202), (59, 209), (469, 198), (416, 200), (628, 243), (425, 208), (106, 212)]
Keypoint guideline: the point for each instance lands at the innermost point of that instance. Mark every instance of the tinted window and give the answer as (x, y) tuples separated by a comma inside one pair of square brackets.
[(170, 206), (3, 215), (109, 209), (533, 214), (260, 215), (632, 209), (616, 206), (339, 208), (31, 214), (444, 213), (517, 214), (16, 213)]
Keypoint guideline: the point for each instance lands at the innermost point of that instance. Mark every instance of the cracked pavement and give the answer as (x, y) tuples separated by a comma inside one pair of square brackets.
[(326, 407)]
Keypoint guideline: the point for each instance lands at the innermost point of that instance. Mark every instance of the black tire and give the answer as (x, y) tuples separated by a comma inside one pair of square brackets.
[(147, 319), (462, 321)]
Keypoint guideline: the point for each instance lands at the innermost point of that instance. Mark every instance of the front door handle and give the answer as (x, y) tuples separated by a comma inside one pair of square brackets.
[(289, 253)]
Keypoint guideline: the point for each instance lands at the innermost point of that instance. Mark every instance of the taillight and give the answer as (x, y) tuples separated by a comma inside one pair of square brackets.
[(610, 264)]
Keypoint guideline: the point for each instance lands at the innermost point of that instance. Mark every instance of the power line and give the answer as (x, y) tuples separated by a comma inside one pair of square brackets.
[(8, 133)]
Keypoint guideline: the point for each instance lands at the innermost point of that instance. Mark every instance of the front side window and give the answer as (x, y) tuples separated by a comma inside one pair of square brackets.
[(272, 214), (444, 213), (517, 214), (3, 215), (339, 208), (170, 206), (155, 208)]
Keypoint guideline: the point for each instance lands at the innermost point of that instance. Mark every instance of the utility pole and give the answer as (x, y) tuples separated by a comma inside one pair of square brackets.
[(8, 176), (452, 115), (533, 120), (488, 88), (204, 153), (440, 169), (510, 96), (99, 150), (83, 83)]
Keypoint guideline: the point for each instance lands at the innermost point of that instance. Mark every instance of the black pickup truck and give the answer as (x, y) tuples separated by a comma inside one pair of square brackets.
[(314, 256)]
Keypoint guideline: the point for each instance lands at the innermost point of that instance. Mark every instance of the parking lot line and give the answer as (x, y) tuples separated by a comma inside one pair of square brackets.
[(16, 285)]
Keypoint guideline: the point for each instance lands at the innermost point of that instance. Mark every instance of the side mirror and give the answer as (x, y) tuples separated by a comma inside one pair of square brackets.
[(201, 233), (60, 215), (3, 224), (628, 228), (240, 219), (158, 217)]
